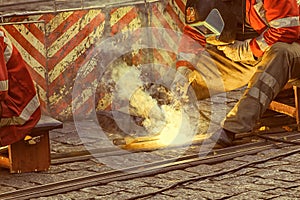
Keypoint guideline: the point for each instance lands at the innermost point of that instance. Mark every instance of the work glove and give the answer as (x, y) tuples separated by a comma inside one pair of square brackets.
[(181, 83), (238, 51)]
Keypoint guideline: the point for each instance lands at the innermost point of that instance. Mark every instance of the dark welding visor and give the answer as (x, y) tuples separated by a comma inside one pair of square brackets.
[(213, 25)]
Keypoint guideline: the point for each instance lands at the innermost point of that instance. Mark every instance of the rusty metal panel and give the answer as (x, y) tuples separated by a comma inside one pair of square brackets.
[(120, 20), (24, 7), (29, 39), (58, 44), (70, 38), (169, 15)]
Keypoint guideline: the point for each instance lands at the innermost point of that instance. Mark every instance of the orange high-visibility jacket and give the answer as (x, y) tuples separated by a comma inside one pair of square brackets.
[(18, 97), (275, 21)]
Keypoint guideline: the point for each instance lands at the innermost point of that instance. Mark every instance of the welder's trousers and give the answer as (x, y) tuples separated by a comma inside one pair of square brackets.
[(265, 78), (278, 65)]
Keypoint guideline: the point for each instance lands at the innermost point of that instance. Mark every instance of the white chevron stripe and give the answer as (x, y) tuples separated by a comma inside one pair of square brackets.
[(132, 25), (75, 53), (119, 14), (42, 93), (104, 102), (85, 95), (33, 63), (56, 21), (31, 38), (170, 21), (168, 40), (178, 10), (71, 33)]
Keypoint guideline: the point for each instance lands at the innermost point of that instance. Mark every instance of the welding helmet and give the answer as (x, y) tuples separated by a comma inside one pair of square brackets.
[(213, 18)]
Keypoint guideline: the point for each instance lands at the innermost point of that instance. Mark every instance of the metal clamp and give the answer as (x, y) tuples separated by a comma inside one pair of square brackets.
[(32, 140)]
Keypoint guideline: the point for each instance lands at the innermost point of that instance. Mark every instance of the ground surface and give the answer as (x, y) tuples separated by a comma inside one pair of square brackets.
[(274, 179)]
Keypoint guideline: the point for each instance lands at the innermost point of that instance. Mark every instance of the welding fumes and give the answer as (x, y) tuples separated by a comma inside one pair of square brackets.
[(165, 113)]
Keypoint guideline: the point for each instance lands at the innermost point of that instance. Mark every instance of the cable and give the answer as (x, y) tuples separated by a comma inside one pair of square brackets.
[(278, 140), (215, 174)]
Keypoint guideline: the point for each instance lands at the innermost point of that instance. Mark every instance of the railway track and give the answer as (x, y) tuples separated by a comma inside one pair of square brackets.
[(277, 140), (61, 158)]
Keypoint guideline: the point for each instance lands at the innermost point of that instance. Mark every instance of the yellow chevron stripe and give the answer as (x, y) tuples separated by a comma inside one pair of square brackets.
[(42, 93), (71, 32), (31, 38), (80, 100), (75, 53), (34, 64), (170, 42), (170, 20), (55, 22), (118, 14), (133, 25), (57, 96), (177, 10), (166, 58), (88, 68), (37, 18), (85, 95), (104, 102)]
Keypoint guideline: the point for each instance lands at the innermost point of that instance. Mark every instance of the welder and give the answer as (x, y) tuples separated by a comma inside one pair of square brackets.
[(19, 103), (253, 41)]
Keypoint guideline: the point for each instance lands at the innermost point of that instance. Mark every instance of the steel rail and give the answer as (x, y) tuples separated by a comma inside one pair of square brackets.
[(145, 170), (61, 158)]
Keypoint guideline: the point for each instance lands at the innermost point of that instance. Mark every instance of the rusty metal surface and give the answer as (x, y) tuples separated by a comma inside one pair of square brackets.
[(56, 44), (23, 7), (152, 169)]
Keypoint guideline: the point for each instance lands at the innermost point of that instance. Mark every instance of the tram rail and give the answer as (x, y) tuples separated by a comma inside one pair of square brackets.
[(215, 156)]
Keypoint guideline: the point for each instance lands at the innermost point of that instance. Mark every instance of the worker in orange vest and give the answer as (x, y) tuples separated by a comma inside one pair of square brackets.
[(250, 41), (19, 103)]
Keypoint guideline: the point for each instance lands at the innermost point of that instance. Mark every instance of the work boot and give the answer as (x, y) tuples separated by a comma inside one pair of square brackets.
[(223, 137)]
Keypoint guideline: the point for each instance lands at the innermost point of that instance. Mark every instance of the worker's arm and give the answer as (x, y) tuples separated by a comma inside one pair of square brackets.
[(282, 25), (5, 52), (191, 44)]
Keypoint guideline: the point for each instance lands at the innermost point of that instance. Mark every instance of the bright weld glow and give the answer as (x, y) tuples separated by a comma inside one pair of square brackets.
[(175, 124)]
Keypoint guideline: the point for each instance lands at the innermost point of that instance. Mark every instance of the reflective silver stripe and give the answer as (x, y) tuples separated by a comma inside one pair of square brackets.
[(285, 22), (259, 8), (257, 94), (4, 85), (31, 107), (11, 121), (185, 56), (9, 48), (270, 81), (263, 45)]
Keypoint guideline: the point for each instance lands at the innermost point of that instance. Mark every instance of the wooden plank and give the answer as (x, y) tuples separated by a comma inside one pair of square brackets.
[(3, 149), (4, 161), (297, 104), (283, 108), (24, 156), (29, 158)]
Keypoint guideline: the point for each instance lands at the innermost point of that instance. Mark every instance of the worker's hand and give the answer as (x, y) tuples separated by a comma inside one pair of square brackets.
[(181, 84), (238, 51)]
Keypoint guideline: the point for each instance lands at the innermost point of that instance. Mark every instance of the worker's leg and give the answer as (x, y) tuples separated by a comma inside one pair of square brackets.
[(278, 65), (216, 73)]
